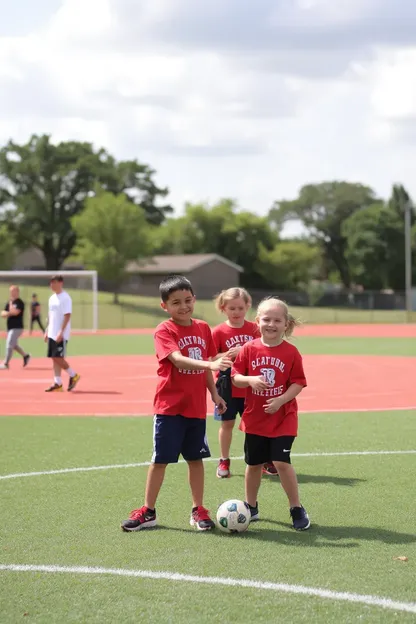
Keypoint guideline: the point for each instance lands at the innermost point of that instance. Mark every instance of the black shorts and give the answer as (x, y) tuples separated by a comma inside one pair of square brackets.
[(56, 349), (261, 450)]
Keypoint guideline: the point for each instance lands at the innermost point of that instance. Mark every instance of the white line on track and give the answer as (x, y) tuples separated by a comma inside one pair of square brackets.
[(374, 601), (21, 475)]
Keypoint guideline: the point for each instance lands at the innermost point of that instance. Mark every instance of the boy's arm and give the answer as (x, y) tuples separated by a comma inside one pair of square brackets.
[(186, 363)]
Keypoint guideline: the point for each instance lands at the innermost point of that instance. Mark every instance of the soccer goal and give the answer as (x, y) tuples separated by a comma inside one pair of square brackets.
[(81, 285)]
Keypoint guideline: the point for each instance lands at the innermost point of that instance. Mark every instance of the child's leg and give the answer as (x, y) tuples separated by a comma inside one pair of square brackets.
[(225, 436), (252, 483), (196, 481), (289, 482), (155, 477)]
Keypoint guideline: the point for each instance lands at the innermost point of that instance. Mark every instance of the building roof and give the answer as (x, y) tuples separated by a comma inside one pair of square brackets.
[(184, 263)]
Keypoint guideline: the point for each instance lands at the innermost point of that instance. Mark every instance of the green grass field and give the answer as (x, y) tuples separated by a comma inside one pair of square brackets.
[(135, 312), (361, 507), (90, 344)]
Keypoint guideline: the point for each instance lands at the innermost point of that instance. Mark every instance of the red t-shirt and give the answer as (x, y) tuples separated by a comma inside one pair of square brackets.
[(281, 366), (226, 337), (179, 391)]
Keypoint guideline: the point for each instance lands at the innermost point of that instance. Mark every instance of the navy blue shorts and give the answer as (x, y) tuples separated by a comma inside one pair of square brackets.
[(177, 435), (234, 406)]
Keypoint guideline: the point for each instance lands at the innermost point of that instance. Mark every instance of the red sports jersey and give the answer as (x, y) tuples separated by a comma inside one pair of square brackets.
[(281, 366), (226, 337), (179, 391)]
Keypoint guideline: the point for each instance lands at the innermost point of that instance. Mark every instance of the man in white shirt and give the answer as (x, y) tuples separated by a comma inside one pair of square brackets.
[(58, 332)]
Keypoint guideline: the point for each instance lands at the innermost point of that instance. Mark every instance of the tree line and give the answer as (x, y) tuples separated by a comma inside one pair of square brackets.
[(71, 201)]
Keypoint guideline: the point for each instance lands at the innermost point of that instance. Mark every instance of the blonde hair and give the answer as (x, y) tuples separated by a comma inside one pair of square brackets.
[(229, 294), (291, 321)]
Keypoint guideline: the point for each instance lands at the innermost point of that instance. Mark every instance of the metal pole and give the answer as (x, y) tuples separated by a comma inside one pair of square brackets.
[(408, 259)]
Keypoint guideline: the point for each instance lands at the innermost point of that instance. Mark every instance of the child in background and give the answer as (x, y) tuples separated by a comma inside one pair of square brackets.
[(272, 370), (229, 337), (184, 350)]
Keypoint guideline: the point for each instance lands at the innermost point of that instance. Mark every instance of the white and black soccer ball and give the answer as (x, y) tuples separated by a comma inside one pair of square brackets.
[(233, 516)]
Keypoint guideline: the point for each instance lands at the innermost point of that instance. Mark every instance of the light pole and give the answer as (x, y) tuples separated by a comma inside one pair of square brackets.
[(408, 258)]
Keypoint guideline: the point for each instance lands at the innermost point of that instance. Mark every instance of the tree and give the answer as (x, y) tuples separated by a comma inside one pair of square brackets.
[(7, 249), (111, 232), (323, 208), (219, 229), (43, 186), (291, 265), (375, 243)]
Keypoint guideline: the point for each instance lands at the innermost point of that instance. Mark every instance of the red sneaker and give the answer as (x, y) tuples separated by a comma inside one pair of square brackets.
[(270, 469), (223, 469), (201, 520), (139, 519)]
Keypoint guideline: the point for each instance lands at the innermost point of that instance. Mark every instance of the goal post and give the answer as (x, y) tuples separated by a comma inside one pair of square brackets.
[(81, 285)]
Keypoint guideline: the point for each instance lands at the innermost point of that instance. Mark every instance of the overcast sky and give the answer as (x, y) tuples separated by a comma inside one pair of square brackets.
[(248, 99)]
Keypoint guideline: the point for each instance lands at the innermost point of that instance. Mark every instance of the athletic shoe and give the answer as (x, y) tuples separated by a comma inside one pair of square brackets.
[(4, 367), (140, 519), (26, 359), (73, 381), (270, 469), (201, 520), (223, 469), (254, 513), (55, 388), (300, 518)]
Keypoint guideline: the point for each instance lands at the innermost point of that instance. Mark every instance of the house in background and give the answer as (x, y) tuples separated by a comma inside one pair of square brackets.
[(209, 274)]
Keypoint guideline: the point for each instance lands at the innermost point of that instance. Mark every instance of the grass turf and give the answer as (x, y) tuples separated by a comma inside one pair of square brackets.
[(135, 311), (361, 509), (89, 344)]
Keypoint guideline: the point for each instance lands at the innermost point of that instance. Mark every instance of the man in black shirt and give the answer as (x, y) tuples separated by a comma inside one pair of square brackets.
[(35, 313), (13, 312)]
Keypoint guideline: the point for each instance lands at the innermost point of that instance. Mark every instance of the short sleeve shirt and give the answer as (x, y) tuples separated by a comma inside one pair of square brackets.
[(182, 392), (59, 305), (16, 321), (281, 366), (226, 337)]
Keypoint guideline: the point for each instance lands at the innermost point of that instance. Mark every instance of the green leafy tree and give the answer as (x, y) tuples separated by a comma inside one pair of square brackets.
[(220, 229), (323, 208), (291, 265), (43, 186), (375, 243), (7, 249), (111, 232)]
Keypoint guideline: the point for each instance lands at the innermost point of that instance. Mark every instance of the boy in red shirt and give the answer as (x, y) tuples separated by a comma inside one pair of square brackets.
[(183, 348), (271, 368)]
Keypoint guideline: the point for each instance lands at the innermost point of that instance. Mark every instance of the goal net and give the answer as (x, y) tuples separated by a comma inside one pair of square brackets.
[(81, 285)]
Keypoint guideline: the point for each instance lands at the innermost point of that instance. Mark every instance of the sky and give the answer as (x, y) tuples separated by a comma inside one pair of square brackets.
[(228, 98)]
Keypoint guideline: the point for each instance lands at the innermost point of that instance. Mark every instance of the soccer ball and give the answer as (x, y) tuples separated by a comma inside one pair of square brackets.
[(233, 516)]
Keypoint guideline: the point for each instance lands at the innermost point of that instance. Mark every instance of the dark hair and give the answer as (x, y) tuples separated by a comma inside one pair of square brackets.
[(172, 283), (34, 295), (56, 278)]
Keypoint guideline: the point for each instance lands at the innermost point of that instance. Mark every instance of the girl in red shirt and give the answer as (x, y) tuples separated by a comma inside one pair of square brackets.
[(271, 369), (229, 337)]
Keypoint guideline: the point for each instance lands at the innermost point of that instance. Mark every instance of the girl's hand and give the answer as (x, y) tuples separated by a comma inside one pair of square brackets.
[(220, 404), (258, 383), (273, 405)]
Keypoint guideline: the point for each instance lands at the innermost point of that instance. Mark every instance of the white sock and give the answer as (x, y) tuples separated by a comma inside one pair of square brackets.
[(58, 380), (71, 372)]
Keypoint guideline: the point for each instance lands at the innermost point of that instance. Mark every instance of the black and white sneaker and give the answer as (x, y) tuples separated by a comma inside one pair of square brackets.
[(26, 359), (142, 518), (254, 512), (300, 518)]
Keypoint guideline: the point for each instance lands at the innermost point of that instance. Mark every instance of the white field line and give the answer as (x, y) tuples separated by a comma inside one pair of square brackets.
[(374, 601), (21, 475)]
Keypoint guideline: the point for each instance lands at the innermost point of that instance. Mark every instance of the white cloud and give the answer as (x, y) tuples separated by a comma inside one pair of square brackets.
[(248, 100)]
